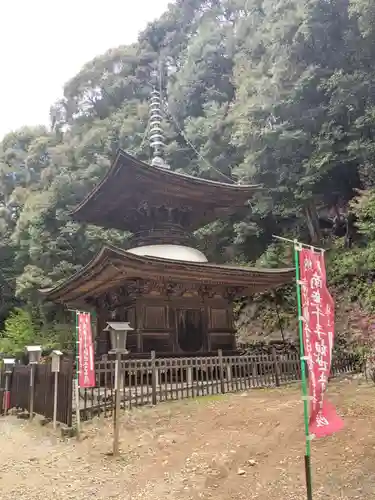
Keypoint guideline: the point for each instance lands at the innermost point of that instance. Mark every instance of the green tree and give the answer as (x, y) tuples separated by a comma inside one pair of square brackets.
[(19, 332), (280, 94)]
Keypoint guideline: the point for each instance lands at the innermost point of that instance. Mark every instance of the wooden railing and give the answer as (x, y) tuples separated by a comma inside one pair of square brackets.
[(153, 380)]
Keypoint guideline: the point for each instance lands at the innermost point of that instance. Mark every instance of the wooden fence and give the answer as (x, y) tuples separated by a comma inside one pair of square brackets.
[(2, 388), (153, 380), (43, 390), (150, 381)]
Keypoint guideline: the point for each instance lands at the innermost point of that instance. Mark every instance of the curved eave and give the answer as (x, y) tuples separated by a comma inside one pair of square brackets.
[(128, 178), (113, 267)]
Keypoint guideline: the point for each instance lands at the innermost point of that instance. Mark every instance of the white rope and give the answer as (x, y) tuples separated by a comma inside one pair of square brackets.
[(189, 143)]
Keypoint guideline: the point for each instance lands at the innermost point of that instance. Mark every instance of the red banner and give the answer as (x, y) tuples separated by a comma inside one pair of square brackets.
[(318, 338), (86, 374)]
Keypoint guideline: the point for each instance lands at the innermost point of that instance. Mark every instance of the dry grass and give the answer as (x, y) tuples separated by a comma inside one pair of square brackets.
[(245, 446)]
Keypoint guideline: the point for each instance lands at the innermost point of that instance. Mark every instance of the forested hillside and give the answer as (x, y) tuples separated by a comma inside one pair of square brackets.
[(280, 93)]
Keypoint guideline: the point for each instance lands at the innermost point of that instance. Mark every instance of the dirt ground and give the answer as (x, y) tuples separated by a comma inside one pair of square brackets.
[(243, 446)]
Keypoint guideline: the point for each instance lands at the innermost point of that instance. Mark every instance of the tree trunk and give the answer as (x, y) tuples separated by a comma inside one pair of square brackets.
[(313, 223)]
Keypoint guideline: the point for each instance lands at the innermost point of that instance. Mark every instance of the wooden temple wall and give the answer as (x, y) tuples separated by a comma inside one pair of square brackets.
[(173, 324)]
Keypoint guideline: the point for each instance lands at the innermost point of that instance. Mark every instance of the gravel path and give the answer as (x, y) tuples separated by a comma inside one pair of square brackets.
[(36, 464), (236, 447)]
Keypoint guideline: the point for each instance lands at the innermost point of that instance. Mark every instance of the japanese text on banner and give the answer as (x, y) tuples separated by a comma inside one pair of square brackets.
[(86, 377), (318, 337)]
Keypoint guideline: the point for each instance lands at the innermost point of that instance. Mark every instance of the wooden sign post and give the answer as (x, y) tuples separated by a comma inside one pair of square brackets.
[(34, 352), (118, 333), (55, 368)]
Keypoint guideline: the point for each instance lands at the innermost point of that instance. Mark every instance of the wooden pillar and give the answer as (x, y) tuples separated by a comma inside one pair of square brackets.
[(173, 342), (221, 371), (276, 366), (139, 311), (205, 327), (229, 372), (102, 338), (155, 377), (231, 324), (189, 376)]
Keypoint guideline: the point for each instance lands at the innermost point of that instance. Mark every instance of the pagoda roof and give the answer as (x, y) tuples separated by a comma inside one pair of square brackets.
[(130, 182), (113, 267)]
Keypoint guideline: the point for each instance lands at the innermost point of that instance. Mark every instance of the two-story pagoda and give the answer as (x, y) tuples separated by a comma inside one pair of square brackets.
[(174, 299)]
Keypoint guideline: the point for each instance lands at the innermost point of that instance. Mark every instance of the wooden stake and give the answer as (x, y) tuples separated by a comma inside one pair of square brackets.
[(116, 416), (32, 373), (55, 399)]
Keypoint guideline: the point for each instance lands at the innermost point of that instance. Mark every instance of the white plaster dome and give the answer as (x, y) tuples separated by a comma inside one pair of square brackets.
[(172, 252)]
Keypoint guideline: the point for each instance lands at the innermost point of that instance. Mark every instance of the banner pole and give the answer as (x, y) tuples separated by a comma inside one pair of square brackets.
[(303, 377), (287, 240), (78, 403)]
